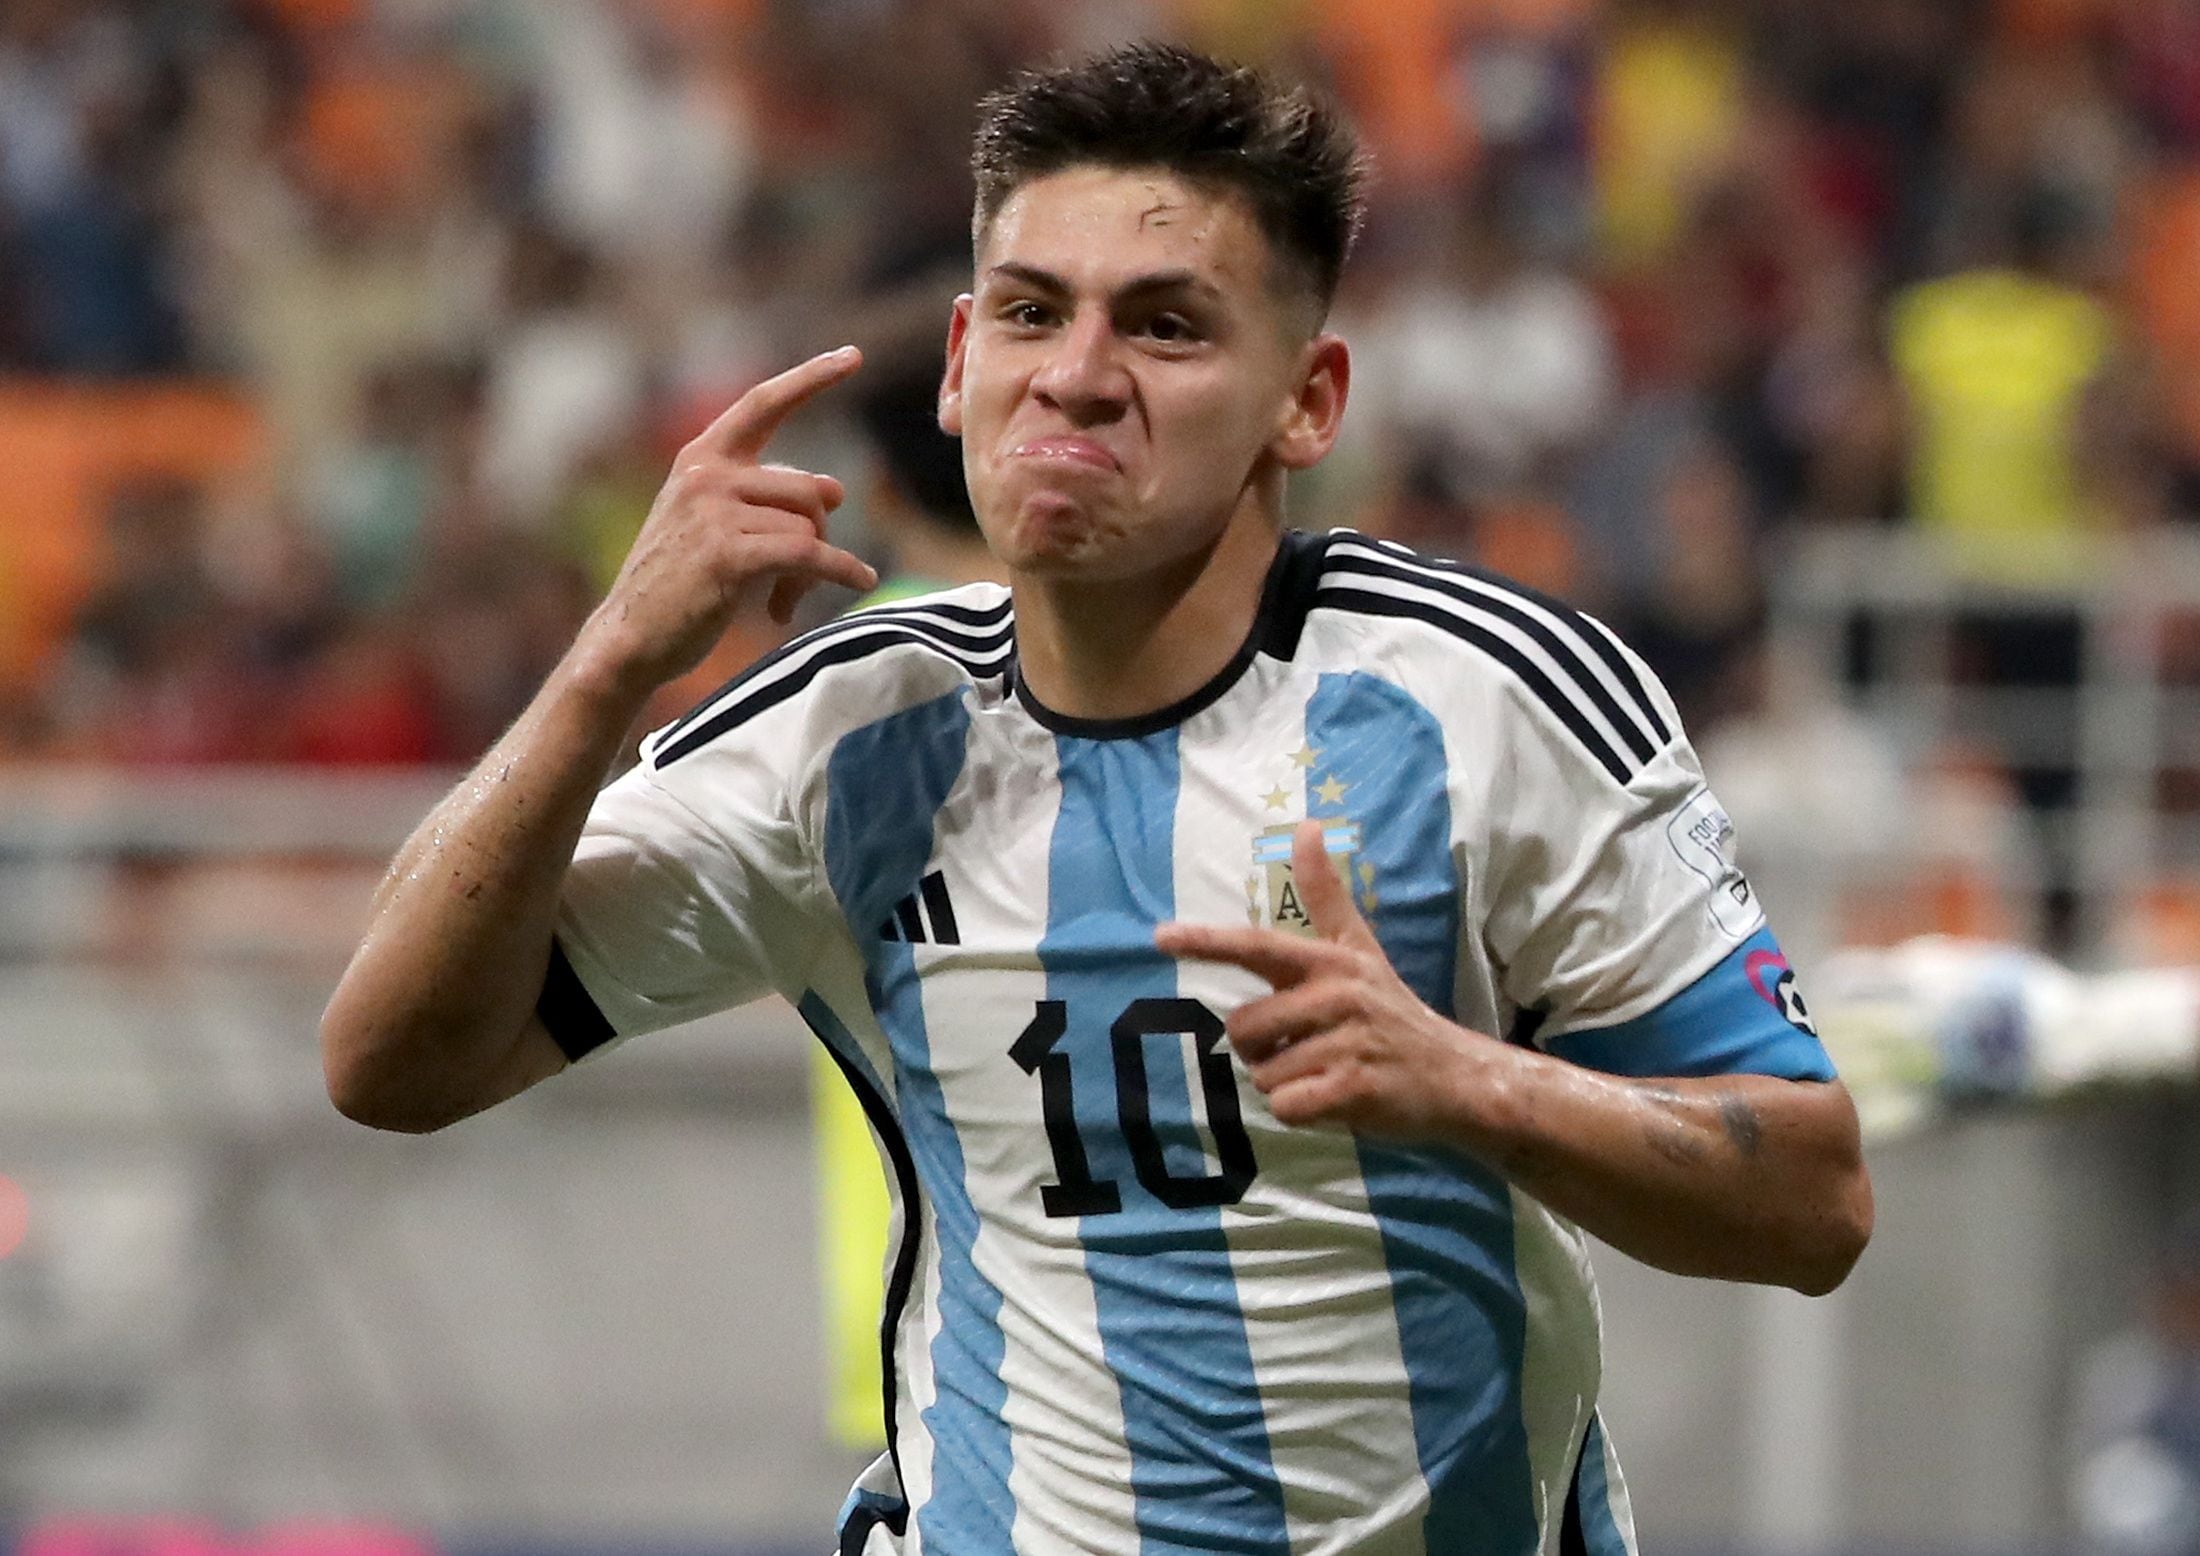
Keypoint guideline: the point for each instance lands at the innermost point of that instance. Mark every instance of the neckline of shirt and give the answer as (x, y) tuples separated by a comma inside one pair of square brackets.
[(1275, 630)]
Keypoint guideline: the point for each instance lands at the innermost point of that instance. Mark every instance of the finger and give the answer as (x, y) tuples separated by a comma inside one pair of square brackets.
[(1329, 904), (1319, 1097), (1292, 1064), (781, 486), (788, 591), (745, 426), (1283, 960), (1263, 1027), (804, 556)]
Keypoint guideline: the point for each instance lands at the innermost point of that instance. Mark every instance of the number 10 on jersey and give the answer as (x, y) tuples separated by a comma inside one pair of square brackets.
[(1075, 1191)]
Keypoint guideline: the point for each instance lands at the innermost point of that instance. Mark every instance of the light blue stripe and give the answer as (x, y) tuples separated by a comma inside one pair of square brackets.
[(1446, 1221), (1337, 837), (885, 785), (1167, 1303), (1728, 1022), (1599, 1528)]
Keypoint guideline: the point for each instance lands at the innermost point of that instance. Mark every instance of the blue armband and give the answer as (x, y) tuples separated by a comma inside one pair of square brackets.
[(1743, 1017)]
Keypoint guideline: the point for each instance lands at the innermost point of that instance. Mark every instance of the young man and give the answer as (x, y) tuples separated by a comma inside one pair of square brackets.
[(1214, 1235)]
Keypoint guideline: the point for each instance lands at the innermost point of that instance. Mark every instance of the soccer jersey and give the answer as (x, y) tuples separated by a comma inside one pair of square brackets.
[(1128, 1310)]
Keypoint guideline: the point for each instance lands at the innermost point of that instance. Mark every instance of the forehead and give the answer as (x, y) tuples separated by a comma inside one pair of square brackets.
[(1097, 227)]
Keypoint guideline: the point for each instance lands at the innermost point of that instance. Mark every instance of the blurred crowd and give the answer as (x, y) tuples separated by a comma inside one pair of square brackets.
[(1648, 287)]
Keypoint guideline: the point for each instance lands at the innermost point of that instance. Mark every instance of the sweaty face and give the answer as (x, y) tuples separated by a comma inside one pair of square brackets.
[(1123, 373)]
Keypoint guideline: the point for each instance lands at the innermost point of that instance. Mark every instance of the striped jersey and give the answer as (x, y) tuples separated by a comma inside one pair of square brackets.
[(1127, 1310)]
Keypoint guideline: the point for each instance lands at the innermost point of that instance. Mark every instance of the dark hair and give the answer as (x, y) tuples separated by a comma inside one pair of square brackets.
[(1155, 105), (898, 404)]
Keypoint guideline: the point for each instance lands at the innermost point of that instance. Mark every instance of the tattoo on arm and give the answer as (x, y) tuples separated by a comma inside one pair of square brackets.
[(1743, 1127), (1674, 1136)]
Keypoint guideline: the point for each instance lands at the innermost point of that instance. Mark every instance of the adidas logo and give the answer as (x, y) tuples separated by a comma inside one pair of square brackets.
[(924, 917)]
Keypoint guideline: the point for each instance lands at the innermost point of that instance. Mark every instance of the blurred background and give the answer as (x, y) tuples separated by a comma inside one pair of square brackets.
[(1846, 359)]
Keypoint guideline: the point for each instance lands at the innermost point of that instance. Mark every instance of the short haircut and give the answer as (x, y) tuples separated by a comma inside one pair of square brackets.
[(1153, 105)]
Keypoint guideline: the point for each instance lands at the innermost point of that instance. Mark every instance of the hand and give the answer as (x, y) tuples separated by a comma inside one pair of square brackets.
[(722, 521), (1342, 1040)]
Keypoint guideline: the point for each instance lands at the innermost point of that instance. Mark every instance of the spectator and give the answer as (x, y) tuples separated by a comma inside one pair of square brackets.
[(1997, 363), (563, 376), (79, 246), (1494, 362)]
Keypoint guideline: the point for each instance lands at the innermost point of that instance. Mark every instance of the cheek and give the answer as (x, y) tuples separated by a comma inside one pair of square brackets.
[(1219, 432), (989, 398)]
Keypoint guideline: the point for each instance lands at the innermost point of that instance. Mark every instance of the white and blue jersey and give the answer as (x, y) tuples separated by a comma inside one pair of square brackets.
[(1127, 1310)]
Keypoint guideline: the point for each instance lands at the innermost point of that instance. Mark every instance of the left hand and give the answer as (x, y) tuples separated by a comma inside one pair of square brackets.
[(1342, 1040)]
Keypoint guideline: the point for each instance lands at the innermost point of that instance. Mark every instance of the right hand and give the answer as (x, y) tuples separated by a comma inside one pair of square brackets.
[(722, 521)]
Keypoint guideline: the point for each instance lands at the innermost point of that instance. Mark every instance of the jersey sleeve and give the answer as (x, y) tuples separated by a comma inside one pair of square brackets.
[(691, 891), (1620, 923)]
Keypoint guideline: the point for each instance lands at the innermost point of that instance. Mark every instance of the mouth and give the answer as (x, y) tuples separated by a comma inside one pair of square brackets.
[(1067, 451)]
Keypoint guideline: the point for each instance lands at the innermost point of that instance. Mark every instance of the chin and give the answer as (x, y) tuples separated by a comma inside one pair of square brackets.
[(1052, 535)]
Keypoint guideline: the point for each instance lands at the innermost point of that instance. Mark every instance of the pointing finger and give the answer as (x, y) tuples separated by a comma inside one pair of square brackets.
[(745, 426), (1281, 959), (1329, 904)]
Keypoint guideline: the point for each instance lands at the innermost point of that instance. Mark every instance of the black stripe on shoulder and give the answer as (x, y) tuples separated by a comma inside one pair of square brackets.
[(1567, 657), (1606, 643), (1293, 579), (569, 1011), (1592, 633), (898, 1284), (920, 606), (982, 618), (801, 661), (1531, 675)]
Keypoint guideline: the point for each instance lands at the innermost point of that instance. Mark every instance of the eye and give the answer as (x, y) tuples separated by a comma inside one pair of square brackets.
[(1171, 329), (1027, 315)]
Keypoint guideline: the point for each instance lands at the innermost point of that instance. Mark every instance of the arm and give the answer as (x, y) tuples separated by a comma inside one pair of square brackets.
[(1739, 1177), (434, 1018)]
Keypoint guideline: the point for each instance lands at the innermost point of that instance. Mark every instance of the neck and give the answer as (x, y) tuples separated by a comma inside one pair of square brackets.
[(1123, 648)]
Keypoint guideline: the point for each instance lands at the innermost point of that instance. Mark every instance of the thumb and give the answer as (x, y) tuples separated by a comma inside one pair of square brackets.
[(1328, 900)]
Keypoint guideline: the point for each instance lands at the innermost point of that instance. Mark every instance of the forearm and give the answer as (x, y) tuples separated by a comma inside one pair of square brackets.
[(1738, 1177), (433, 1018)]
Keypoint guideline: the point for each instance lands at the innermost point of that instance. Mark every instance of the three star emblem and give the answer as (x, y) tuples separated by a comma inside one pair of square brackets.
[(1270, 896)]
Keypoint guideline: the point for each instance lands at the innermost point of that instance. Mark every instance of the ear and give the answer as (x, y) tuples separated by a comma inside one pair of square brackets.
[(1310, 425), (951, 386)]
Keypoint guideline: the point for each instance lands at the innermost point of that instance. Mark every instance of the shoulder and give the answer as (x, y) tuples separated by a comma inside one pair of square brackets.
[(1477, 638), (869, 663)]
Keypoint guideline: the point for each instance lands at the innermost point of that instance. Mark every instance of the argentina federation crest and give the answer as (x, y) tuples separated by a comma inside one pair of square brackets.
[(1272, 895)]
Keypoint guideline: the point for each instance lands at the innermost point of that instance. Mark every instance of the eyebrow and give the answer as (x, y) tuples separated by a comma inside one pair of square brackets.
[(1147, 285)]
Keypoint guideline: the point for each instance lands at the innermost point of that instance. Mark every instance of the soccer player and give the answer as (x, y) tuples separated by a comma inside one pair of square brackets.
[(1262, 957)]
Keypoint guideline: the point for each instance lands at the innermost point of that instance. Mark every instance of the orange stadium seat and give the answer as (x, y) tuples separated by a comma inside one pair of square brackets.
[(66, 449)]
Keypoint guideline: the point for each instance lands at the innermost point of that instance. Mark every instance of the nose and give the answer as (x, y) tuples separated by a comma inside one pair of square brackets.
[(1082, 377)]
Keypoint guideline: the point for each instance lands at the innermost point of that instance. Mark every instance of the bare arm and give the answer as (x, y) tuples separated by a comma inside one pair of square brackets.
[(434, 1018), (1741, 1177)]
